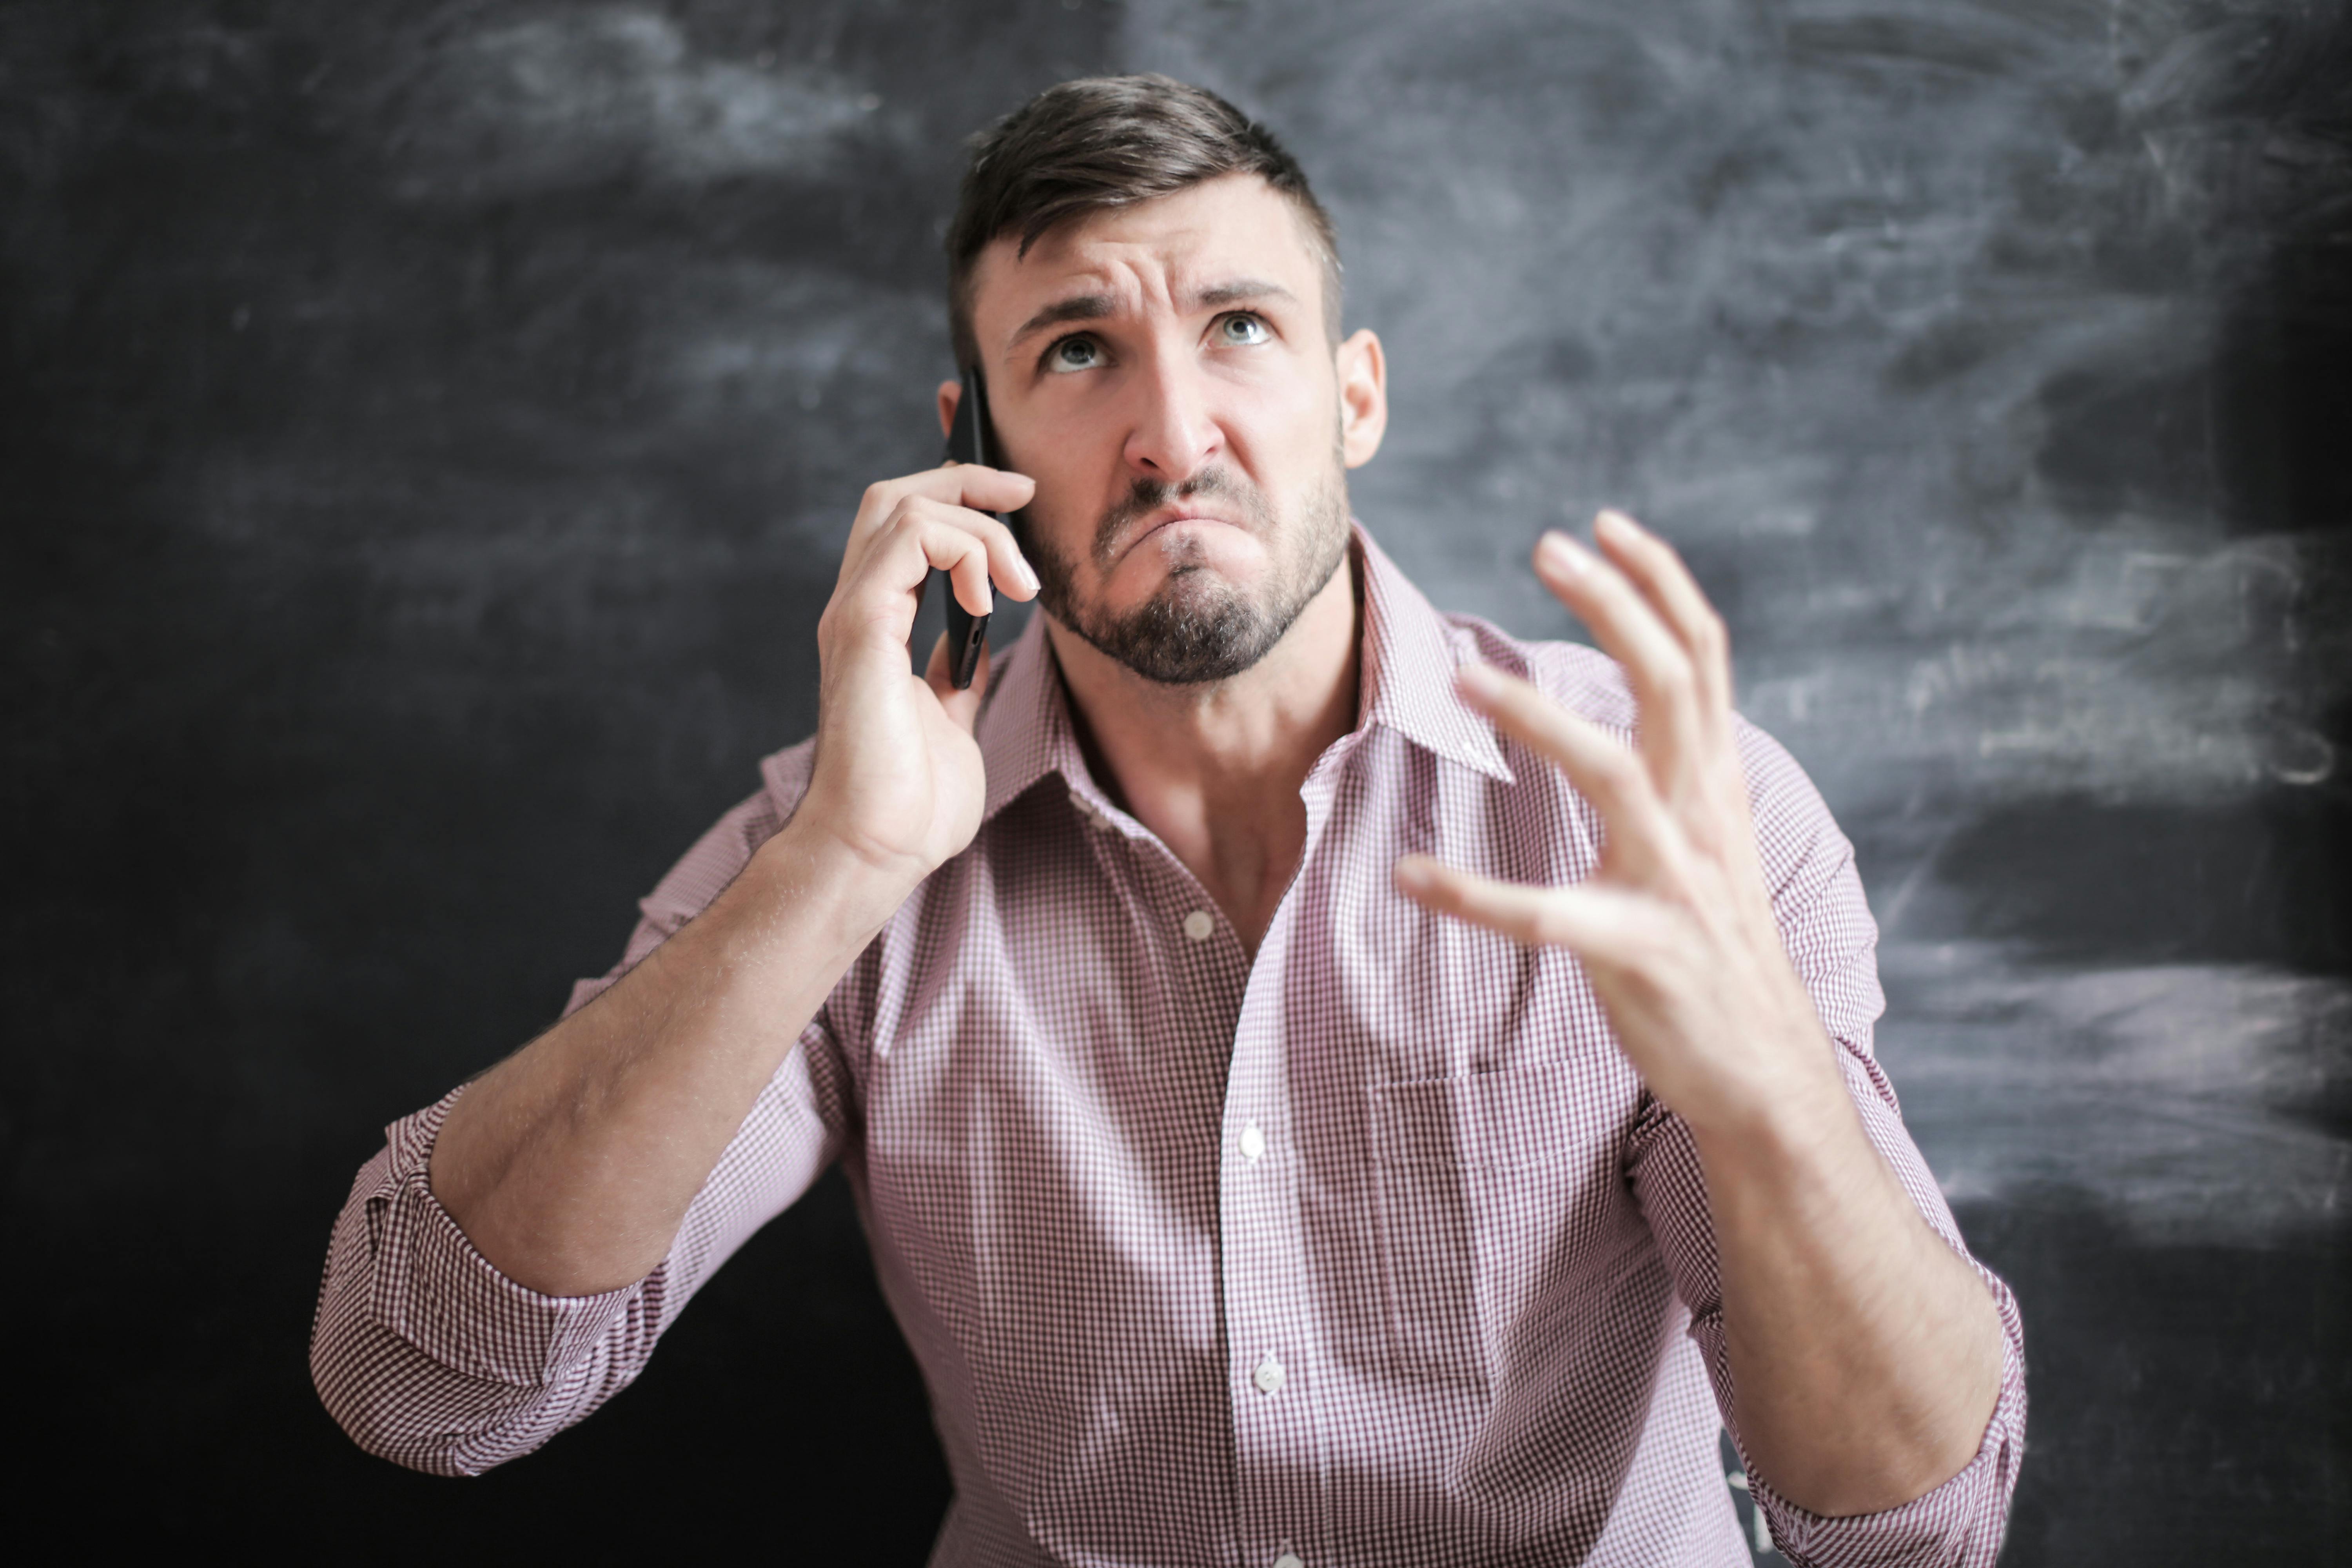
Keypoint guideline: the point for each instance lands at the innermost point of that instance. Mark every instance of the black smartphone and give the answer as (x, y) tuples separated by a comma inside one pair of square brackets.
[(970, 440)]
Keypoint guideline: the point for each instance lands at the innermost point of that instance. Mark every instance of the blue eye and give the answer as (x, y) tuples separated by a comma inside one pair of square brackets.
[(1242, 329), (1079, 353)]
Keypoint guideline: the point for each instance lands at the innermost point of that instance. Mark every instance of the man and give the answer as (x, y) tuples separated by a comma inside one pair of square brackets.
[(1325, 1085)]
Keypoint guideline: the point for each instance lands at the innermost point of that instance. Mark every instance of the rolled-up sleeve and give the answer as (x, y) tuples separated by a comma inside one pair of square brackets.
[(1960, 1522), (428, 1355), (1826, 925), (431, 1358)]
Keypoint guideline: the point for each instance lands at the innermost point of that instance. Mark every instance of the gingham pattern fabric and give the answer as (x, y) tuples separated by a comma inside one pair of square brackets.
[(1373, 1251)]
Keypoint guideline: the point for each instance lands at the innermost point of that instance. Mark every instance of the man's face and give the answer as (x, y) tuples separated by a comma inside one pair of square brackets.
[(1164, 372)]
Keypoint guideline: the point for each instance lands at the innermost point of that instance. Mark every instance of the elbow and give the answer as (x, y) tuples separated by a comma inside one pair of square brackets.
[(1892, 1470), (381, 1413), (396, 1405)]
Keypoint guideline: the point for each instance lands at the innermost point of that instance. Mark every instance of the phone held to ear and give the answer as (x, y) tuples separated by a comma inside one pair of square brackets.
[(970, 440)]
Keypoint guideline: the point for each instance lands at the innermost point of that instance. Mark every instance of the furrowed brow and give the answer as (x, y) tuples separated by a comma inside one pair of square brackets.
[(1077, 308), (1239, 291)]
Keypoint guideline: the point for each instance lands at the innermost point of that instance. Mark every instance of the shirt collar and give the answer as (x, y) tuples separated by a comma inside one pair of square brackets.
[(1410, 654), (1025, 730)]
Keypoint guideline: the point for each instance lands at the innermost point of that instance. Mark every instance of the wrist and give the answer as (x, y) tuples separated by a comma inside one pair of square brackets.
[(811, 869), (1785, 1096), (1786, 1135)]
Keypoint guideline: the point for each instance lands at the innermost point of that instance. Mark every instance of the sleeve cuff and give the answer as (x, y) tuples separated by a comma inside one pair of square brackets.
[(1958, 1522), (431, 1287)]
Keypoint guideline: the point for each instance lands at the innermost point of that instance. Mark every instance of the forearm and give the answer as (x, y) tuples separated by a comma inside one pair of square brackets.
[(1866, 1353), (438, 1366), (570, 1166)]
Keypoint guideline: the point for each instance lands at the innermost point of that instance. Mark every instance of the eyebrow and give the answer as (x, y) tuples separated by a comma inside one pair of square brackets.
[(1077, 308), (1239, 291), (1095, 307)]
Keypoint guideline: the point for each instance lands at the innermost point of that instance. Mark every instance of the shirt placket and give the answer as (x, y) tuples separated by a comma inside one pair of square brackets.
[(1274, 1346), (1207, 978)]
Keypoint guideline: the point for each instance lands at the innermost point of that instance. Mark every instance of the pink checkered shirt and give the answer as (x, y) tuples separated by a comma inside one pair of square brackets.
[(1371, 1251)]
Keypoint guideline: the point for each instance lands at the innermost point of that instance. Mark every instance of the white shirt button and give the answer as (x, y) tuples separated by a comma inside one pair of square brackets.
[(1252, 1142), (1268, 1375), (1200, 925), (1289, 1560)]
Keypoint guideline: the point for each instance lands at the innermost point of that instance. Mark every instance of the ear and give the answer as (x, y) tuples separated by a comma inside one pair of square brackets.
[(951, 394), (1364, 397)]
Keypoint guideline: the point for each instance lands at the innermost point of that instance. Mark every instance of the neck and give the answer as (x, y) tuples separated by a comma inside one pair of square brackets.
[(1215, 771)]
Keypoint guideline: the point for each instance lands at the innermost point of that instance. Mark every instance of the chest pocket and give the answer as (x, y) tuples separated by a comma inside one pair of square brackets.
[(1503, 1215)]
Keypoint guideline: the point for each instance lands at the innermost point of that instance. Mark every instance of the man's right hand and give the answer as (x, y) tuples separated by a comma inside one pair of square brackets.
[(898, 782), (571, 1163)]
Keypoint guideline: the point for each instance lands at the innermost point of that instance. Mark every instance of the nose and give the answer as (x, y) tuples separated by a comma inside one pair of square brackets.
[(1175, 432)]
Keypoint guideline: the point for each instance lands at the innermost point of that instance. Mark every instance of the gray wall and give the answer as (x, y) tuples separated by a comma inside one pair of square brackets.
[(428, 431)]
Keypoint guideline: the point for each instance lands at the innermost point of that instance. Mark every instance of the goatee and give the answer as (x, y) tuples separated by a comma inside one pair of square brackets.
[(1199, 629)]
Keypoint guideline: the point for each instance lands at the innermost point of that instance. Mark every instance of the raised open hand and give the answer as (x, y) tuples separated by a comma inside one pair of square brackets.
[(1676, 930)]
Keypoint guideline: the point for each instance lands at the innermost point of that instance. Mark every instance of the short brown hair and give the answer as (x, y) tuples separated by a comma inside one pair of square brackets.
[(1112, 141)]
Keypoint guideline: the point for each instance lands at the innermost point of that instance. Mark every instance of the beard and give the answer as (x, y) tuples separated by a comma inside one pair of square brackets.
[(1198, 628)]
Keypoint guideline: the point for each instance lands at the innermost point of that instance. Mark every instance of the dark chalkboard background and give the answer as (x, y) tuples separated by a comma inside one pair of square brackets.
[(427, 430)]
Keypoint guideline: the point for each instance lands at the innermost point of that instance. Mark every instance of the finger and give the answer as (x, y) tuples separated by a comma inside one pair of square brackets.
[(1004, 563), (1606, 925), (980, 551), (973, 486), (967, 581), (888, 584), (1656, 568), (1603, 770), (947, 541), (1672, 726)]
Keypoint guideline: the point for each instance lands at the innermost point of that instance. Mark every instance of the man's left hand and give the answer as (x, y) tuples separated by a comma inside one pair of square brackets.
[(1676, 930)]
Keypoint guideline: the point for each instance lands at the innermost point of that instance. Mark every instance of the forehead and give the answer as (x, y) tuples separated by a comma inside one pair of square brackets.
[(1150, 255)]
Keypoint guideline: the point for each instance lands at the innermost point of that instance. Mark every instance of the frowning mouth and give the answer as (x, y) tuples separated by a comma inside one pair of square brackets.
[(1120, 541), (1150, 506), (1155, 526)]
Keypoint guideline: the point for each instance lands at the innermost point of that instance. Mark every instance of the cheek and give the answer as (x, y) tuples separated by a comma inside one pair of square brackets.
[(1070, 470), (1285, 428)]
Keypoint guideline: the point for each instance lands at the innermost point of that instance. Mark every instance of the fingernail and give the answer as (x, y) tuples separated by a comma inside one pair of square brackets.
[(1413, 872), (1564, 555), (1027, 573), (1610, 518)]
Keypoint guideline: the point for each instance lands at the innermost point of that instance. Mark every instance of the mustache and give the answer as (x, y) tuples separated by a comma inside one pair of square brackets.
[(1146, 495)]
